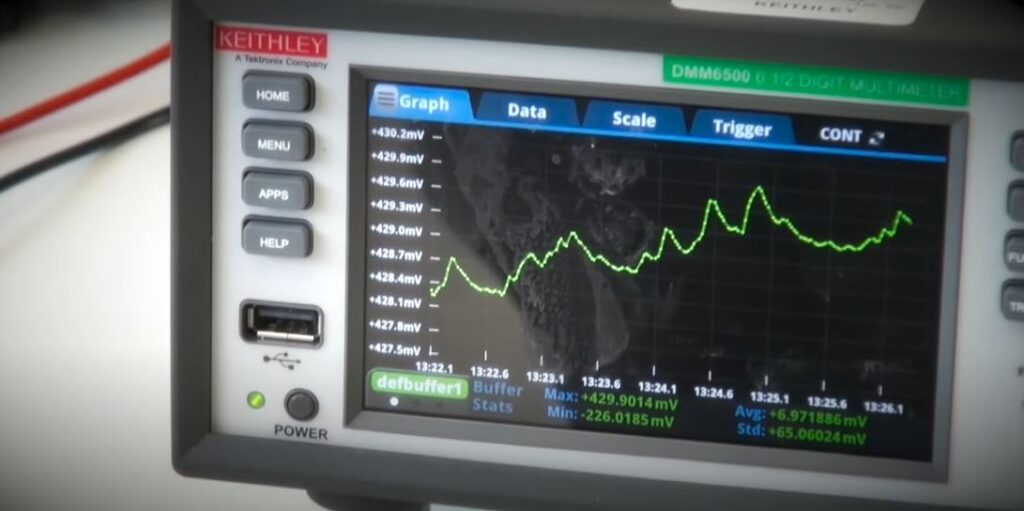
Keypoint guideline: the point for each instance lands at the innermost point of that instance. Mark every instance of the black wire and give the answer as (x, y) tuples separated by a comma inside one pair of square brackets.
[(114, 136)]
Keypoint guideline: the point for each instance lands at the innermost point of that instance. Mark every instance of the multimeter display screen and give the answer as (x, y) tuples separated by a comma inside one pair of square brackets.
[(667, 270)]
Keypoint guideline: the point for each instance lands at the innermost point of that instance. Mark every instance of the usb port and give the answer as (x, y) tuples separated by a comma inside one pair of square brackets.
[(281, 323)]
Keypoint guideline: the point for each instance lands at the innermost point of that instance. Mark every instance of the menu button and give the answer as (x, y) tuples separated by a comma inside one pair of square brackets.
[(277, 140)]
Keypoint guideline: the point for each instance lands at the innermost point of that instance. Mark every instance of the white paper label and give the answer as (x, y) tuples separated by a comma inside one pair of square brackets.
[(875, 12)]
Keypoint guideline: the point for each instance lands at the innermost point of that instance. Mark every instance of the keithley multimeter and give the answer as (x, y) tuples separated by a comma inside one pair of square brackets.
[(600, 254)]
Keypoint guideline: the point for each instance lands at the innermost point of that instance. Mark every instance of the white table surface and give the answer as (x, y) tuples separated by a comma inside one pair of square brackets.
[(84, 288)]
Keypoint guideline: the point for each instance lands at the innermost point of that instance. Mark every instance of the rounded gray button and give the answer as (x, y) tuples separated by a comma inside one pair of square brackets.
[(301, 405), (1017, 150), (277, 91), (277, 237), (1016, 203), (277, 140)]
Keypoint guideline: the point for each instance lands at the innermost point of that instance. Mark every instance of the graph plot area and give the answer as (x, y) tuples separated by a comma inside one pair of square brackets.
[(669, 239)]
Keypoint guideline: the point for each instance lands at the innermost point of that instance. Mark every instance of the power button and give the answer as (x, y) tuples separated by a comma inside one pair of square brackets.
[(301, 404)]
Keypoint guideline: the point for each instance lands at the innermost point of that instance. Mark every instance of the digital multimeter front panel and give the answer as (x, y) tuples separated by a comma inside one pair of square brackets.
[(547, 257)]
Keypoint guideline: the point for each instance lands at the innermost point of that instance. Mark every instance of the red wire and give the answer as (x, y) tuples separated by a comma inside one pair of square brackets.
[(85, 90)]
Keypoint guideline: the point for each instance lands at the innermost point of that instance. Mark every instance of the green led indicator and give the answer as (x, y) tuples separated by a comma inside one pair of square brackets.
[(256, 400), (668, 237)]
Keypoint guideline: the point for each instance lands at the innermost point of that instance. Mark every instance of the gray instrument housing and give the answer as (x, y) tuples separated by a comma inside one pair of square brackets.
[(976, 42)]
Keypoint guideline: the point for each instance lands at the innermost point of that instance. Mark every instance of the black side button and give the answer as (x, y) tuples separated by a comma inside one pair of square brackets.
[(1014, 252), (1013, 300), (1017, 150), (1015, 204), (301, 405)]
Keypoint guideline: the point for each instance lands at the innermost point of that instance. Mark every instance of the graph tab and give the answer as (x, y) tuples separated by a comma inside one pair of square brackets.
[(743, 126), (421, 103), (634, 117), (528, 109)]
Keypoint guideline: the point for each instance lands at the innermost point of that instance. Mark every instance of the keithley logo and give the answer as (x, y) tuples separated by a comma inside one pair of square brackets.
[(272, 42)]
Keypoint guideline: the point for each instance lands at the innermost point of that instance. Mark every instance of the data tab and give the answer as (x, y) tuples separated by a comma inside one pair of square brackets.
[(522, 108)]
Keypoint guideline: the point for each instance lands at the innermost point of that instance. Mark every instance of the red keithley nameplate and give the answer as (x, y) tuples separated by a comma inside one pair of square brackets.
[(272, 42)]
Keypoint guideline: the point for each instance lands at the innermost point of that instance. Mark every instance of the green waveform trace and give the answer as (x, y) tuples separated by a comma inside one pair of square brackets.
[(669, 236)]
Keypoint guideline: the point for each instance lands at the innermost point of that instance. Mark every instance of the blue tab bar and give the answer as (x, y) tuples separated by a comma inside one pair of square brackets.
[(504, 110), (743, 126), (634, 118), (522, 108), (421, 103)]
